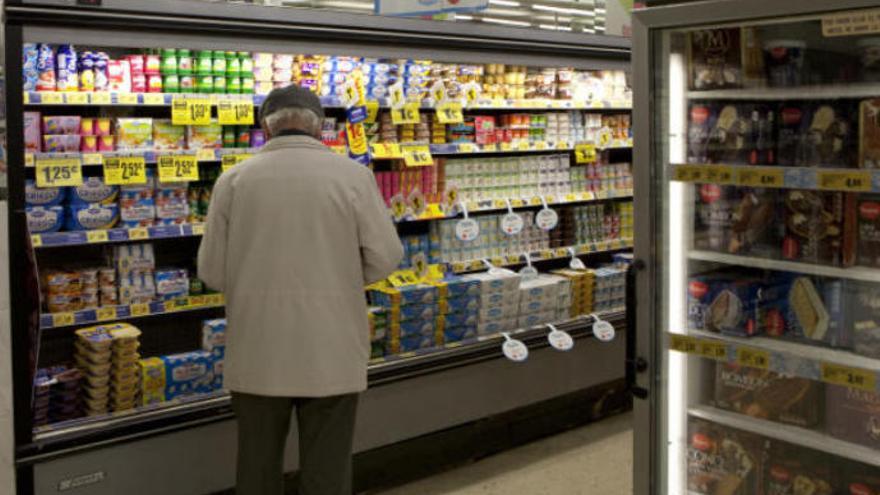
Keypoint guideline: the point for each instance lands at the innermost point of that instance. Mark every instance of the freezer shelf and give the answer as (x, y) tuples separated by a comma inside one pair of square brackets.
[(852, 273), (792, 434), (817, 92), (835, 366), (827, 179)]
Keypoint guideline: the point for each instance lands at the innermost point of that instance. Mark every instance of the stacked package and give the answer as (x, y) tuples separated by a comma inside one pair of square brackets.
[(491, 242), (307, 72), (172, 204), (581, 293), (335, 72), (89, 206), (107, 356), (378, 318), (214, 342), (263, 72), (135, 265), (57, 395), (413, 311), (498, 301), (137, 204), (459, 309), (418, 249), (609, 292), (543, 299)]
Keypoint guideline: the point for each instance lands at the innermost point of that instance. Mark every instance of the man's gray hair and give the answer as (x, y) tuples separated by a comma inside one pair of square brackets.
[(298, 118)]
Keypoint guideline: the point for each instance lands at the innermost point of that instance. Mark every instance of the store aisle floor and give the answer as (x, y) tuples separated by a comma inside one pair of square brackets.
[(595, 459)]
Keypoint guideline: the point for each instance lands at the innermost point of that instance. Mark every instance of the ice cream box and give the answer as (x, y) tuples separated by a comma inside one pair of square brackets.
[(725, 302), (808, 309), (820, 227), (863, 307), (721, 460), (768, 395), (853, 415)]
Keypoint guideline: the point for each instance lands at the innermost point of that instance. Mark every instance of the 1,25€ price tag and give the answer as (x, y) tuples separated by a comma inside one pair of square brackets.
[(235, 112), (190, 111), (59, 172), (125, 170), (178, 168)]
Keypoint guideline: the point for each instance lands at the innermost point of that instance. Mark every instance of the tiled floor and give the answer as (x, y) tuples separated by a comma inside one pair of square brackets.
[(595, 459)]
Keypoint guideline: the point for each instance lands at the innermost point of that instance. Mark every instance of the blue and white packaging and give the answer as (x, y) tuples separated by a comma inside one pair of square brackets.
[(531, 320), (93, 190), (463, 304), (462, 319), (415, 342), (413, 312), (460, 286), (413, 327), (459, 333), (172, 283), (91, 216), (188, 373), (495, 326), (43, 219), (214, 337), (43, 196)]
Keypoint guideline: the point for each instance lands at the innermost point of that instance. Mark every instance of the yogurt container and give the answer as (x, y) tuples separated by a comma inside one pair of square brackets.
[(42, 196), (42, 219), (91, 216), (94, 190)]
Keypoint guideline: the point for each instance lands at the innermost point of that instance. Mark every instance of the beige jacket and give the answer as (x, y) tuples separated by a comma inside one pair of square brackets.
[(292, 236)]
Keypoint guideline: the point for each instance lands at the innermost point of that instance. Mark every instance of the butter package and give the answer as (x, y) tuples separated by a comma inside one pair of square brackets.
[(461, 319), (531, 320), (91, 216), (461, 304), (409, 312), (94, 190), (43, 196), (460, 286), (204, 136), (134, 133), (214, 337), (500, 311), (44, 219), (459, 333), (495, 326), (408, 294), (413, 343), (491, 283), (187, 373), (167, 136), (412, 327)]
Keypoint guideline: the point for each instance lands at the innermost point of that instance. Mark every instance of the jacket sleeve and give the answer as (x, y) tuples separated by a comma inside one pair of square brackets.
[(212, 250), (381, 250)]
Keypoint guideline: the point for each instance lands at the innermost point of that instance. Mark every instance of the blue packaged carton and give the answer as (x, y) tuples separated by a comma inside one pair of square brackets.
[(459, 333), (463, 304), (727, 303), (414, 343), (413, 327), (807, 309), (409, 312), (408, 294), (188, 373), (43, 196), (94, 190), (91, 216), (214, 337), (462, 319), (459, 287), (43, 219)]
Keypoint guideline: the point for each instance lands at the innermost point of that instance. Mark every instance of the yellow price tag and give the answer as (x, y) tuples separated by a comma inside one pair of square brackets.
[(450, 112), (571, 197), (490, 147), (102, 98), (761, 177), (753, 358), (849, 377), (403, 277), (59, 172), (472, 92), (844, 181), (197, 300), (28, 159), (718, 174), (92, 159), (467, 148), (541, 145), (178, 168), (339, 150), (524, 146), (36, 240), (77, 98), (154, 99), (683, 343), (505, 146), (385, 150), (198, 229), (50, 98), (206, 155), (417, 155), (138, 233), (140, 309), (395, 95), (96, 236), (229, 161), (127, 98), (407, 114), (125, 170), (106, 313), (563, 145), (235, 112), (585, 153), (190, 111), (372, 107), (712, 350), (605, 138), (433, 211), (214, 299), (63, 319)]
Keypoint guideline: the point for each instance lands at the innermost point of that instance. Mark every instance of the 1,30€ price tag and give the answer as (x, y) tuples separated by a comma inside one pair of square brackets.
[(585, 153), (449, 112), (417, 156), (229, 161), (125, 170), (190, 111), (178, 168), (235, 112), (59, 172), (407, 114)]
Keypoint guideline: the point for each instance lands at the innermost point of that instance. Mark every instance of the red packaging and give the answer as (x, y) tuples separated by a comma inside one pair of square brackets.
[(395, 183), (106, 143), (138, 83), (154, 83), (721, 460), (136, 62), (89, 144), (386, 186), (152, 64)]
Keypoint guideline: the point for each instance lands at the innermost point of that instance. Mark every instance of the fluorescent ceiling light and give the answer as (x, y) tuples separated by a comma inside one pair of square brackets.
[(505, 3), (563, 10), (463, 17), (505, 22)]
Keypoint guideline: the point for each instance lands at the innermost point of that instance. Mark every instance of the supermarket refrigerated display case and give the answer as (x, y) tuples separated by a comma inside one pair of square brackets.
[(755, 126), (453, 381)]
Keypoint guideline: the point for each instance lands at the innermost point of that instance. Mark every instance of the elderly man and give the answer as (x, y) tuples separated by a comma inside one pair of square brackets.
[(292, 236)]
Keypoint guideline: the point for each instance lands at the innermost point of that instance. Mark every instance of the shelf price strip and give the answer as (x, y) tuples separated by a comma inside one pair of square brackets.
[(229, 161), (779, 177), (66, 319), (235, 112)]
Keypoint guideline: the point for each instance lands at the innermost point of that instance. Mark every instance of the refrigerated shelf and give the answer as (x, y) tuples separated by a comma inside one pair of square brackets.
[(852, 273), (792, 434), (772, 176), (543, 254), (810, 93), (107, 314)]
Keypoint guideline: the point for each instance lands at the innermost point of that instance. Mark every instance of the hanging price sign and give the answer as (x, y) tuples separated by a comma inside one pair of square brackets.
[(191, 111), (472, 91), (100, 98), (585, 153), (357, 140), (235, 112), (372, 107), (385, 150), (59, 172), (178, 168), (125, 170), (417, 155), (449, 112), (438, 92), (407, 114), (396, 95), (229, 161)]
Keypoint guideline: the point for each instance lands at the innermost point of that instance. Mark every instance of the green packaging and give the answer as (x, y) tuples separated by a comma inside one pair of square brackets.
[(219, 63), (219, 84), (205, 63), (171, 83), (169, 61), (184, 62)]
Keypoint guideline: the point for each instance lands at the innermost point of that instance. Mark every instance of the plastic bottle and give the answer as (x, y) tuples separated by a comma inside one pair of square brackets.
[(218, 66), (246, 64), (171, 83), (169, 61), (233, 85), (233, 65), (184, 62), (204, 65)]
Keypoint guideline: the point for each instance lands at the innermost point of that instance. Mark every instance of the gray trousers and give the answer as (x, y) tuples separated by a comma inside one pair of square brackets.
[(326, 431)]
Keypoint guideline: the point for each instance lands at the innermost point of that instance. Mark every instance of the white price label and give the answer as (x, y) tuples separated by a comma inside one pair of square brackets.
[(512, 224), (467, 229), (514, 349), (559, 339), (603, 330), (547, 219)]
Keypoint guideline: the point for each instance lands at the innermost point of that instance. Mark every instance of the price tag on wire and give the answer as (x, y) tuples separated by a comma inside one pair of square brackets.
[(467, 229), (178, 168), (575, 263), (528, 272), (559, 339), (125, 170), (417, 202), (514, 349), (546, 219), (603, 330), (585, 153), (372, 108), (396, 96), (471, 92), (438, 93), (58, 172), (511, 223), (398, 207)]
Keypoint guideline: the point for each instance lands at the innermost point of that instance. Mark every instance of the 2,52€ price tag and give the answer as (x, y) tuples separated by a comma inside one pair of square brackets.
[(190, 111), (127, 170), (59, 172), (235, 112), (178, 168)]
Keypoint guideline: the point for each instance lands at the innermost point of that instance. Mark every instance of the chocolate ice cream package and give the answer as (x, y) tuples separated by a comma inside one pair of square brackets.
[(768, 395), (817, 134), (726, 302), (820, 227), (791, 470), (737, 220), (864, 310), (853, 415), (716, 58), (868, 227), (730, 133), (807, 309), (858, 479), (869, 134), (721, 460)]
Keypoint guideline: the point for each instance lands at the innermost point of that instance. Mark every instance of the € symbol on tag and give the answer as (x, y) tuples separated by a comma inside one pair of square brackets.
[(125, 170), (59, 172)]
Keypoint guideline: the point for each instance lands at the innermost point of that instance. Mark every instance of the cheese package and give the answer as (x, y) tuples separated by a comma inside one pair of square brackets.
[(214, 337), (188, 373)]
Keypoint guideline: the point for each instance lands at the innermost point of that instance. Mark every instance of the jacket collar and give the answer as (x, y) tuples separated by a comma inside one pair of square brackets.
[(284, 142)]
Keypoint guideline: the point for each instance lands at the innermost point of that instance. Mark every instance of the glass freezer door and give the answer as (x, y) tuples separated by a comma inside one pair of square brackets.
[(763, 274)]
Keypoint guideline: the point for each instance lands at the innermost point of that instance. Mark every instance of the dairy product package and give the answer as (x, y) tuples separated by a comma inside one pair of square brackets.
[(214, 337), (171, 283), (167, 136), (409, 312), (43, 219), (137, 288), (134, 133), (94, 190), (495, 326), (459, 333), (32, 135), (407, 294), (134, 258), (462, 304), (502, 282), (43, 196), (91, 216), (188, 373)]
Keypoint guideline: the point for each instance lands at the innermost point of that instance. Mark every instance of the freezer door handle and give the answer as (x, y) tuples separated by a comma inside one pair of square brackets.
[(634, 364)]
